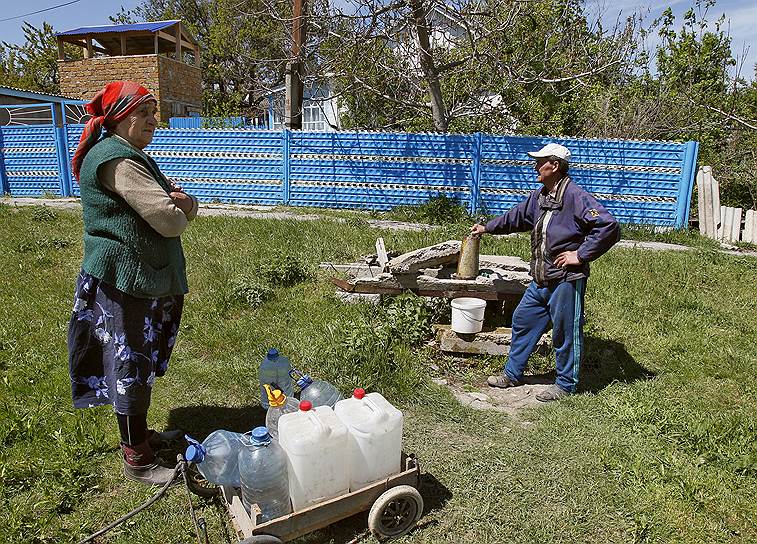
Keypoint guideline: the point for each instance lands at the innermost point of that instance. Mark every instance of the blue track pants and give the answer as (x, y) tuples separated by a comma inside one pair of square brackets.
[(563, 305)]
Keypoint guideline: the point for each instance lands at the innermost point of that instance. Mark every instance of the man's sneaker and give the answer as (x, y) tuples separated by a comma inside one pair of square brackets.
[(502, 381), (551, 393), (158, 440)]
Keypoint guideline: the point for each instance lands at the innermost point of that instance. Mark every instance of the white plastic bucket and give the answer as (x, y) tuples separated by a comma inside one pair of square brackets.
[(468, 315)]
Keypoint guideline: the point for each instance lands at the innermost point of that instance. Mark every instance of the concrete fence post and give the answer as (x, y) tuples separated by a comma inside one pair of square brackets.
[(686, 184), (708, 201), (750, 227), (64, 186)]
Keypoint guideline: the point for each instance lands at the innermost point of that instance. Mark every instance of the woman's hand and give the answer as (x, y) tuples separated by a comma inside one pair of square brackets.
[(182, 200)]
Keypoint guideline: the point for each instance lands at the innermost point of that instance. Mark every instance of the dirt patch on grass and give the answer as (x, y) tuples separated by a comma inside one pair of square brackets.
[(511, 400)]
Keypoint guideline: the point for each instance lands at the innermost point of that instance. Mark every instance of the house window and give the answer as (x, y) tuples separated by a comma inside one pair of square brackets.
[(312, 116)]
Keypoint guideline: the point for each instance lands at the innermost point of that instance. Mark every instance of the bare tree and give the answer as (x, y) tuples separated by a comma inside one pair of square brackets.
[(451, 61)]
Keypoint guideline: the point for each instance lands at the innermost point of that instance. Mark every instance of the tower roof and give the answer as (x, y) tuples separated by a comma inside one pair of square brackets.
[(153, 27)]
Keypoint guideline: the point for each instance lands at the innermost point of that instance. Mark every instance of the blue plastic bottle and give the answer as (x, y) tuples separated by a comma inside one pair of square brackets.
[(216, 457), (264, 477), (274, 371), (318, 392)]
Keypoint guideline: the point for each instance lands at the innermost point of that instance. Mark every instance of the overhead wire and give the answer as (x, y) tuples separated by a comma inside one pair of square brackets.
[(39, 11)]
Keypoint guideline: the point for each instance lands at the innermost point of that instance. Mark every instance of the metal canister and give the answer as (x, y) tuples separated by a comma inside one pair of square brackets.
[(467, 266)]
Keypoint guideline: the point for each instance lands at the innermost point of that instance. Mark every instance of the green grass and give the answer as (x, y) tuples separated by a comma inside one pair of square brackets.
[(660, 446)]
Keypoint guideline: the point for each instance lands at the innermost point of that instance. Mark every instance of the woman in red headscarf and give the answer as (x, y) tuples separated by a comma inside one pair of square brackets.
[(130, 292)]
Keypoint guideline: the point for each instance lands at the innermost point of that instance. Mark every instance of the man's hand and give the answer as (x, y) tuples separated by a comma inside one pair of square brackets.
[(567, 258), (175, 187), (478, 229), (182, 200)]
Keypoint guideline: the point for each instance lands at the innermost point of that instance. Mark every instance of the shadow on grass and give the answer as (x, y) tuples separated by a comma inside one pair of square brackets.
[(606, 362), (200, 421), (355, 528)]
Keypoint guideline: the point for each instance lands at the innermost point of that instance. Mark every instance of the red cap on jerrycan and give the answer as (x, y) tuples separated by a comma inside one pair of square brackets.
[(305, 405), (359, 393)]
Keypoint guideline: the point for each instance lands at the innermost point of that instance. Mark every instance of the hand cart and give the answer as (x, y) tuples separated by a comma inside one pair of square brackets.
[(394, 505)]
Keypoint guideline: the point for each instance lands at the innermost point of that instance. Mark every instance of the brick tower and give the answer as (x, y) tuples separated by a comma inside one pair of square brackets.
[(160, 55)]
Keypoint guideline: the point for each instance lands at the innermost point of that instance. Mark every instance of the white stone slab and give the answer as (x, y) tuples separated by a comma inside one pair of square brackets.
[(426, 257), (750, 227)]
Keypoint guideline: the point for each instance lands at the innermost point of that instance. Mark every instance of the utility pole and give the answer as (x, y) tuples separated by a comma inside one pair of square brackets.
[(294, 68)]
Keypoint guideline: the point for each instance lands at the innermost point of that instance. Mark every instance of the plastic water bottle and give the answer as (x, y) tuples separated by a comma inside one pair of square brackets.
[(318, 392), (274, 371), (216, 457), (278, 404), (263, 471), (375, 437)]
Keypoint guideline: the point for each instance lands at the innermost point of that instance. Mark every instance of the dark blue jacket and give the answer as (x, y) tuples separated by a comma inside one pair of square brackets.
[(568, 221)]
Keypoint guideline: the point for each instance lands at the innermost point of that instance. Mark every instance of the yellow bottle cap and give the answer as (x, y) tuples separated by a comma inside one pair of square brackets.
[(275, 397)]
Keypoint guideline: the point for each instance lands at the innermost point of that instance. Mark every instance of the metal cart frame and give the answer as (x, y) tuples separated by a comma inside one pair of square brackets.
[(394, 503)]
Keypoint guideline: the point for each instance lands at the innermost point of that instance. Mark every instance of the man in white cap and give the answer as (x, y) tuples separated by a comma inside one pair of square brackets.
[(569, 229)]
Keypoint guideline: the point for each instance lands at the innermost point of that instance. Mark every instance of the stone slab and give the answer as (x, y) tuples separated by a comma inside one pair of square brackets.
[(353, 270), (503, 262), (490, 341), (445, 253), (507, 282), (358, 298)]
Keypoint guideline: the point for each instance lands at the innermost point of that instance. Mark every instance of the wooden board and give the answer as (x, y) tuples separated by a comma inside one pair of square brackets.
[(320, 515), (349, 287)]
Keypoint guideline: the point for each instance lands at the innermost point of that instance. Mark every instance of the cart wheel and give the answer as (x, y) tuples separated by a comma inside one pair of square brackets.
[(199, 485), (395, 512), (262, 539)]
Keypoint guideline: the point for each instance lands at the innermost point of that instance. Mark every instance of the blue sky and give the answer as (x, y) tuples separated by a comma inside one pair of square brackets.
[(741, 21), (742, 15)]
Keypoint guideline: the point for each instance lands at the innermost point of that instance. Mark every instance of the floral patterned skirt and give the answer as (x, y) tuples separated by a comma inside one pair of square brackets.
[(118, 344)]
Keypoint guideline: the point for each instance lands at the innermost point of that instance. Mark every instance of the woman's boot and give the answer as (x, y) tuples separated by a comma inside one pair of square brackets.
[(141, 465)]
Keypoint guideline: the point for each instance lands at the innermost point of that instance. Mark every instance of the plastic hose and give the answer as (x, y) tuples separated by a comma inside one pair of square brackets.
[(138, 509)]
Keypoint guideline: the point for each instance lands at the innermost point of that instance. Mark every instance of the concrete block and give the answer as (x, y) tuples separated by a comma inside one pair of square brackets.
[(445, 253), (353, 270), (750, 227), (504, 262), (730, 229), (492, 341), (708, 203), (511, 283), (358, 298)]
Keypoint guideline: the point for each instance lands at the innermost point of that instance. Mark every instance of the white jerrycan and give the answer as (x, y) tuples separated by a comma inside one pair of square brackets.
[(315, 441), (375, 437)]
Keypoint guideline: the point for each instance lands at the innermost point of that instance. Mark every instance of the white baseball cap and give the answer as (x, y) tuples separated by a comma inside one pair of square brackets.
[(551, 150)]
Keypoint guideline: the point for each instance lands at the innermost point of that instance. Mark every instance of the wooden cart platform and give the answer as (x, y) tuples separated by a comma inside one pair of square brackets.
[(394, 503)]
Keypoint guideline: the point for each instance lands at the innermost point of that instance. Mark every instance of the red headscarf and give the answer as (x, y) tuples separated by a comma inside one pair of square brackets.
[(109, 107)]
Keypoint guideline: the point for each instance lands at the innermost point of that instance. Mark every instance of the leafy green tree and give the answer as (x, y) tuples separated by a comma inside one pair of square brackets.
[(242, 46), (33, 65)]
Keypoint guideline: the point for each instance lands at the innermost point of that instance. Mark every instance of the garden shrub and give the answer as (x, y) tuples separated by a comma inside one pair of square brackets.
[(283, 272)]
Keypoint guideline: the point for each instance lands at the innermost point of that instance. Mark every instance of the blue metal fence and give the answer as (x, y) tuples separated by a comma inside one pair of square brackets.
[(29, 155), (639, 181)]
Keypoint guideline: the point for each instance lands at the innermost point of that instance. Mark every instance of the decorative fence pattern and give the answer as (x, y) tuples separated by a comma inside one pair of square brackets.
[(214, 122), (638, 181)]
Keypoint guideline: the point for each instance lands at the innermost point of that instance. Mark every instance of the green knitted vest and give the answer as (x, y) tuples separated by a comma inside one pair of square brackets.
[(120, 247)]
